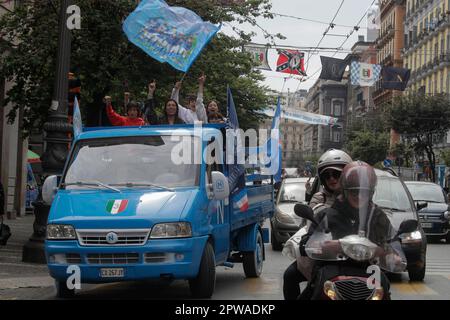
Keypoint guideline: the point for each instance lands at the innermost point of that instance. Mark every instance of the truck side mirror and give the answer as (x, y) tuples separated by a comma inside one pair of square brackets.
[(421, 204), (220, 186), (49, 189)]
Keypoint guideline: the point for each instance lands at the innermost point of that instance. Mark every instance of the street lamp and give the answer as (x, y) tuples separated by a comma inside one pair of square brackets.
[(56, 138)]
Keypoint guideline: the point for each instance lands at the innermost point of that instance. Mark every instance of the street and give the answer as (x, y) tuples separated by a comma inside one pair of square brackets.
[(31, 281)]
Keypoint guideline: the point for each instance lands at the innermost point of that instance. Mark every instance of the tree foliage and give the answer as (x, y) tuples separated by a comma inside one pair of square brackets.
[(369, 146), (107, 63), (422, 120)]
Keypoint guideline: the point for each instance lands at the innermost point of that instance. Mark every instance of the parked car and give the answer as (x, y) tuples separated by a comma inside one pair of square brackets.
[(435, 217), (392, 195), (285, 223)]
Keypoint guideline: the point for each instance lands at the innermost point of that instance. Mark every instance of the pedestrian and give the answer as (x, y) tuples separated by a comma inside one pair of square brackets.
[(133, 114), (5, 231), (170, 113), (195, 110)]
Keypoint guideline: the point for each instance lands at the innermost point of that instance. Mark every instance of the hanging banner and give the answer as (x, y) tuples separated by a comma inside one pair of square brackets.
[(168, 34), (364, 74), (309, 118), (259, 55), (291, 61)]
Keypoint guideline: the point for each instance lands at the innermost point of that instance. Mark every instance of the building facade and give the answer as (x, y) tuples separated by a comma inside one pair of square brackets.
[(328, 98), (13, 149), (427, 50)]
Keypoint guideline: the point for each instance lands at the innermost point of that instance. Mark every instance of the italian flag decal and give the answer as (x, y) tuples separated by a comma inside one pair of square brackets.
[(116, 206)]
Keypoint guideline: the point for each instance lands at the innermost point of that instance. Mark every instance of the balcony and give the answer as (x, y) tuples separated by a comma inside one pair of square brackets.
[(444, 60)]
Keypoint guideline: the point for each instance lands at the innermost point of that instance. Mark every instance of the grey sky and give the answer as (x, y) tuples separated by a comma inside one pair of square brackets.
[(307, 34)]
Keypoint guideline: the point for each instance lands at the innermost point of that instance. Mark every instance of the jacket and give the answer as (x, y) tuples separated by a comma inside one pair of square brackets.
[(118, 120), (321, 200), (152, 117), (187, 115)]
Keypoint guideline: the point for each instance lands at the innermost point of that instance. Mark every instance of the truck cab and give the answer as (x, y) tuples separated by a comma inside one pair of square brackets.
[(143, 203)]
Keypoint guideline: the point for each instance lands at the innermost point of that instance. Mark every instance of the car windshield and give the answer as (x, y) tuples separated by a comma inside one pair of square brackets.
[(391, 194), (292, 192), (426, 192), (129, 162)]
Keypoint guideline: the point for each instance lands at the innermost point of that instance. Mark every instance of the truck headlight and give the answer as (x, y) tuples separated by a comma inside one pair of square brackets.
[(60, 232), (447, 215), (171, 230)]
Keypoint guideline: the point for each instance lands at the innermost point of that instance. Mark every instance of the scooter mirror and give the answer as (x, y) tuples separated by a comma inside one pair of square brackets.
[(304, 211), (408, 226)]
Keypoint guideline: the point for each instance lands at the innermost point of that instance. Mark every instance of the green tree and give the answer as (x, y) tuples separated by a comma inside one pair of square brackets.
[(369, 146), (403, 151), (106, 61), (445, 157), (423, 120)]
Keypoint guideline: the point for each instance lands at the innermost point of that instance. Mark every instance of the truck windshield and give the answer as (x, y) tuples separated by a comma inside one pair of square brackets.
[(130, 162)]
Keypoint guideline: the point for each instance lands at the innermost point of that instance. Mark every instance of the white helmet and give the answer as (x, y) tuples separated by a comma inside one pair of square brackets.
[(333, 159)]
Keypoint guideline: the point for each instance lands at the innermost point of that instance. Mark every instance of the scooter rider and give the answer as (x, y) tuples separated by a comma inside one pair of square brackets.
[(358, 181), (329, 167)]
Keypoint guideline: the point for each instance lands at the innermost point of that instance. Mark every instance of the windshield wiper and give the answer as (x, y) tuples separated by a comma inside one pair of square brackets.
[(146, 184), (393, 209), (91, 183)]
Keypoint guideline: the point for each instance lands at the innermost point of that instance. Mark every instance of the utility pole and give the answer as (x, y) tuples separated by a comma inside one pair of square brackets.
[(56, 138)]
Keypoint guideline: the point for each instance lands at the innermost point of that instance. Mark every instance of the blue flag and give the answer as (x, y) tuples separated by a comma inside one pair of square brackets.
[(236, 171), (168, 34), (77, 122)]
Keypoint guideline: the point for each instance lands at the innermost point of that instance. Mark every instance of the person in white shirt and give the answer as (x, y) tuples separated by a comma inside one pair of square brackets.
[(195, 110)]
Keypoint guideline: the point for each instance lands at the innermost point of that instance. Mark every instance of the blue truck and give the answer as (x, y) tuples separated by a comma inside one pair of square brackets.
[(126, 208)]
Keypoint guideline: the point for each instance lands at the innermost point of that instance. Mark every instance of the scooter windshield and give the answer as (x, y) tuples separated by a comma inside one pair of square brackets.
[(356, 229)]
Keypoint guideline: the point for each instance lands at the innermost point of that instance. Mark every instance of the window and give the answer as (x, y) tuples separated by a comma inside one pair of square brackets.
[(337, 108), (336, 136)]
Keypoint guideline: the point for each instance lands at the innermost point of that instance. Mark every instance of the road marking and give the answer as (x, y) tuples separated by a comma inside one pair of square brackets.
[(414, 288)]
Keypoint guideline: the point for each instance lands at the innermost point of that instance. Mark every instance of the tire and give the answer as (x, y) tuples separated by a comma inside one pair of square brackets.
[(276, 245), (416, 274), (62, 291), (253, 260), (203, 285)]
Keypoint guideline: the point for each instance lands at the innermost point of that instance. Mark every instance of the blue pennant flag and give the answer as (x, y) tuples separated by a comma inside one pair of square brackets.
[(77, 122), (174, 35), (236, 171)]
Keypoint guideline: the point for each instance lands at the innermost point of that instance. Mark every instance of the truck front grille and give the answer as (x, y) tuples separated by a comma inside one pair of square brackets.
[(112, 258), (125, 237)]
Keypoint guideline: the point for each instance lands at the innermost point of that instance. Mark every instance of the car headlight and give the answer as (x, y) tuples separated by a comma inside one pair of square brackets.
[(411, 237), (358, 248), (171, 230), (447, 215), (285, 218), (60, 232)]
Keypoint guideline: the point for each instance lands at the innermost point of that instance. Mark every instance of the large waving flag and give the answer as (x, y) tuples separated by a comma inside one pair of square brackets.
[(364, 74), (291, 61), (168, 34), (236, 171)]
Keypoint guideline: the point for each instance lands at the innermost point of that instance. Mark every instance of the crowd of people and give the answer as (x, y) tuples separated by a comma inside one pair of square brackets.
[(173, 111)]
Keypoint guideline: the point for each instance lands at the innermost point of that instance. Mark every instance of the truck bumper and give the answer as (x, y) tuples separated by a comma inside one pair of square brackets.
[(162, 258)]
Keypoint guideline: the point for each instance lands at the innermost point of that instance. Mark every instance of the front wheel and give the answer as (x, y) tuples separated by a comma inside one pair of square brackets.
[(62, 291), (276, 245), (203, 285), (253, 260)]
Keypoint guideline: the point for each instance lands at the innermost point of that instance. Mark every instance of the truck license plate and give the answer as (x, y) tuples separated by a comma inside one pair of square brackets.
[(111, 272), (427, 225)]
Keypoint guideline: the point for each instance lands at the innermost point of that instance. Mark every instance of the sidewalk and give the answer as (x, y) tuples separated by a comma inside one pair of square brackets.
[(19, 280)]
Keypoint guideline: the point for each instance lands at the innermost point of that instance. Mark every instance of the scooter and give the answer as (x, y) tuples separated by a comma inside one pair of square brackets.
[(349, 267)]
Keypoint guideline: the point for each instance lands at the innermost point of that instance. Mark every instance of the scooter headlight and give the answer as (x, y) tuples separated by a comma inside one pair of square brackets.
[(378, 294), (358, 248)]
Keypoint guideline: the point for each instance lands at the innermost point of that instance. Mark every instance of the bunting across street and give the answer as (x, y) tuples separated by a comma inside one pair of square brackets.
[(364, 74), (291, 61), (259, 55)]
